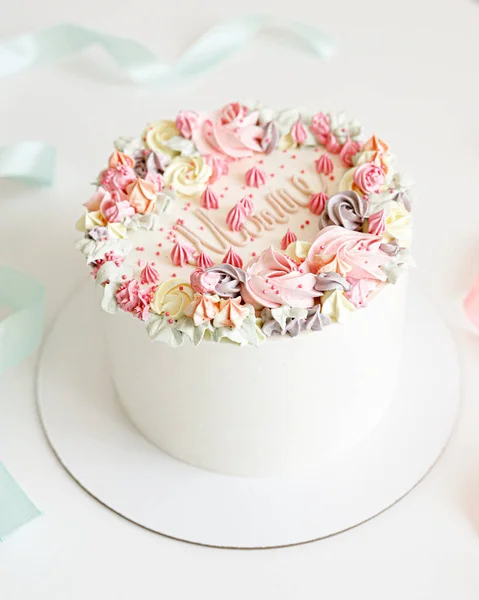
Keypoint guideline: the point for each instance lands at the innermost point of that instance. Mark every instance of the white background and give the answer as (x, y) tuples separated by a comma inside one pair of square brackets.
[(407, 68)]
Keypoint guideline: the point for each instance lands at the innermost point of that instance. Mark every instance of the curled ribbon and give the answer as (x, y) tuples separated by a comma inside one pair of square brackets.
[(32, 162), (138, 62), (21, 330)]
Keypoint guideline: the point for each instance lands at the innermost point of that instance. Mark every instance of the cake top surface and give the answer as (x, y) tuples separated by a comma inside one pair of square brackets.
[(245, 223)]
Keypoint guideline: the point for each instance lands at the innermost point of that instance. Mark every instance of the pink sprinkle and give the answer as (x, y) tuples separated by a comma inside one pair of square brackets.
[(167, 314), (162, 229), (173, 274), (300, 285), (316, 149), (188, 204), (185, 208), (253, 253), (307, 222), (202, 227), (277, 292), (170, 321), (226, 188), (123, 277), (175, 227), (294, 156), (281, 166), (153, 264), (332, 178), (222, 195), (302, 171), (264, 291), (181, 288), (157, 253), (243, 187), (302, 226), (250, 195), (261, 162), (271, 174), (251, 239)]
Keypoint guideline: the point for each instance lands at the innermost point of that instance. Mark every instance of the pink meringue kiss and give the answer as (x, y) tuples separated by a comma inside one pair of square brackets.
[(349, 149), (298, 132), (209, 199), (288, 238), (149, 275), (317, 203), (247, 204), (255, 177), (232, 258), (181, 254), (236, 217), (324, 165), (332, 144), (204, 261), (377, 223)]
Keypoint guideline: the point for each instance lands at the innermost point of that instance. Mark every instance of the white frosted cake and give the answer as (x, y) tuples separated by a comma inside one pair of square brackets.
[(252, 258)]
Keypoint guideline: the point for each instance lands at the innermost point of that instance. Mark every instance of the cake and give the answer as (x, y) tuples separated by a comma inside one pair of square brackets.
[(253, 260)]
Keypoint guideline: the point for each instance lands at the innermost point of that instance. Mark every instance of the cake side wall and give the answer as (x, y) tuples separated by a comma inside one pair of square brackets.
[(284, 407)]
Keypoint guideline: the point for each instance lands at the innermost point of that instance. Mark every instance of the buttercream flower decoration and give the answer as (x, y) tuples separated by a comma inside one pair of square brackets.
[(142, 196), (229, 132), (188, 175), (273, 279), (171, 298), (202, 309), (346, 209), (349, 253), (159, 132), (231, 313), (399, 225)]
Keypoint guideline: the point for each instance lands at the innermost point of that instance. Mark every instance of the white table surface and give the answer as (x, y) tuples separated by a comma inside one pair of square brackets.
[(409, 68)]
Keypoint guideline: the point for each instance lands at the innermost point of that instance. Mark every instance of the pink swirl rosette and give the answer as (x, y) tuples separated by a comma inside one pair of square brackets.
[(352, 254), (273, 279), (186, 122), (230, 132)]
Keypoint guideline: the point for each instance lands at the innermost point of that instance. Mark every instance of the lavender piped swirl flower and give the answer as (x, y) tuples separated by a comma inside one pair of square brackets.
[(229, 281), (346, 209), (326, 282), (270, 138)]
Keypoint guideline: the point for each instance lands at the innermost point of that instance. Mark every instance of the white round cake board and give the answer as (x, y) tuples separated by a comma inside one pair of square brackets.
[(109, 458)]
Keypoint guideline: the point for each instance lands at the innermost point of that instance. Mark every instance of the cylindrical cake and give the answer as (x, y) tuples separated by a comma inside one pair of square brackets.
[(285, 407), (250, 261)]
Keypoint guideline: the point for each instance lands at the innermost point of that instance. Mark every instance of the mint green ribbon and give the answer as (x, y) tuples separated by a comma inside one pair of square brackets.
[(32, 162), (141, 65), (21, 330)]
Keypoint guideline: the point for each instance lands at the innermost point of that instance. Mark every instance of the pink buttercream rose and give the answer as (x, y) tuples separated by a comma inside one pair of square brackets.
[(133, 299), (273, 279), (204, 282), (231, 112), (115, 207), (352, 254), (117, 178), (320, 127), (186, 122), (229, 132), (369, 177)]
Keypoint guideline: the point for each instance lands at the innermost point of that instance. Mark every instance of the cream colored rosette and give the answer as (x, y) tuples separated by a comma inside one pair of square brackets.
[(398, 225), (159, 132), (188, 175), (171, 298)]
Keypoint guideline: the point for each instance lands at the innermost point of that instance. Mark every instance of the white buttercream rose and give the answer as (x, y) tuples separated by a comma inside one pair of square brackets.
[(159, 132), (171, 298), (188, 175)]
